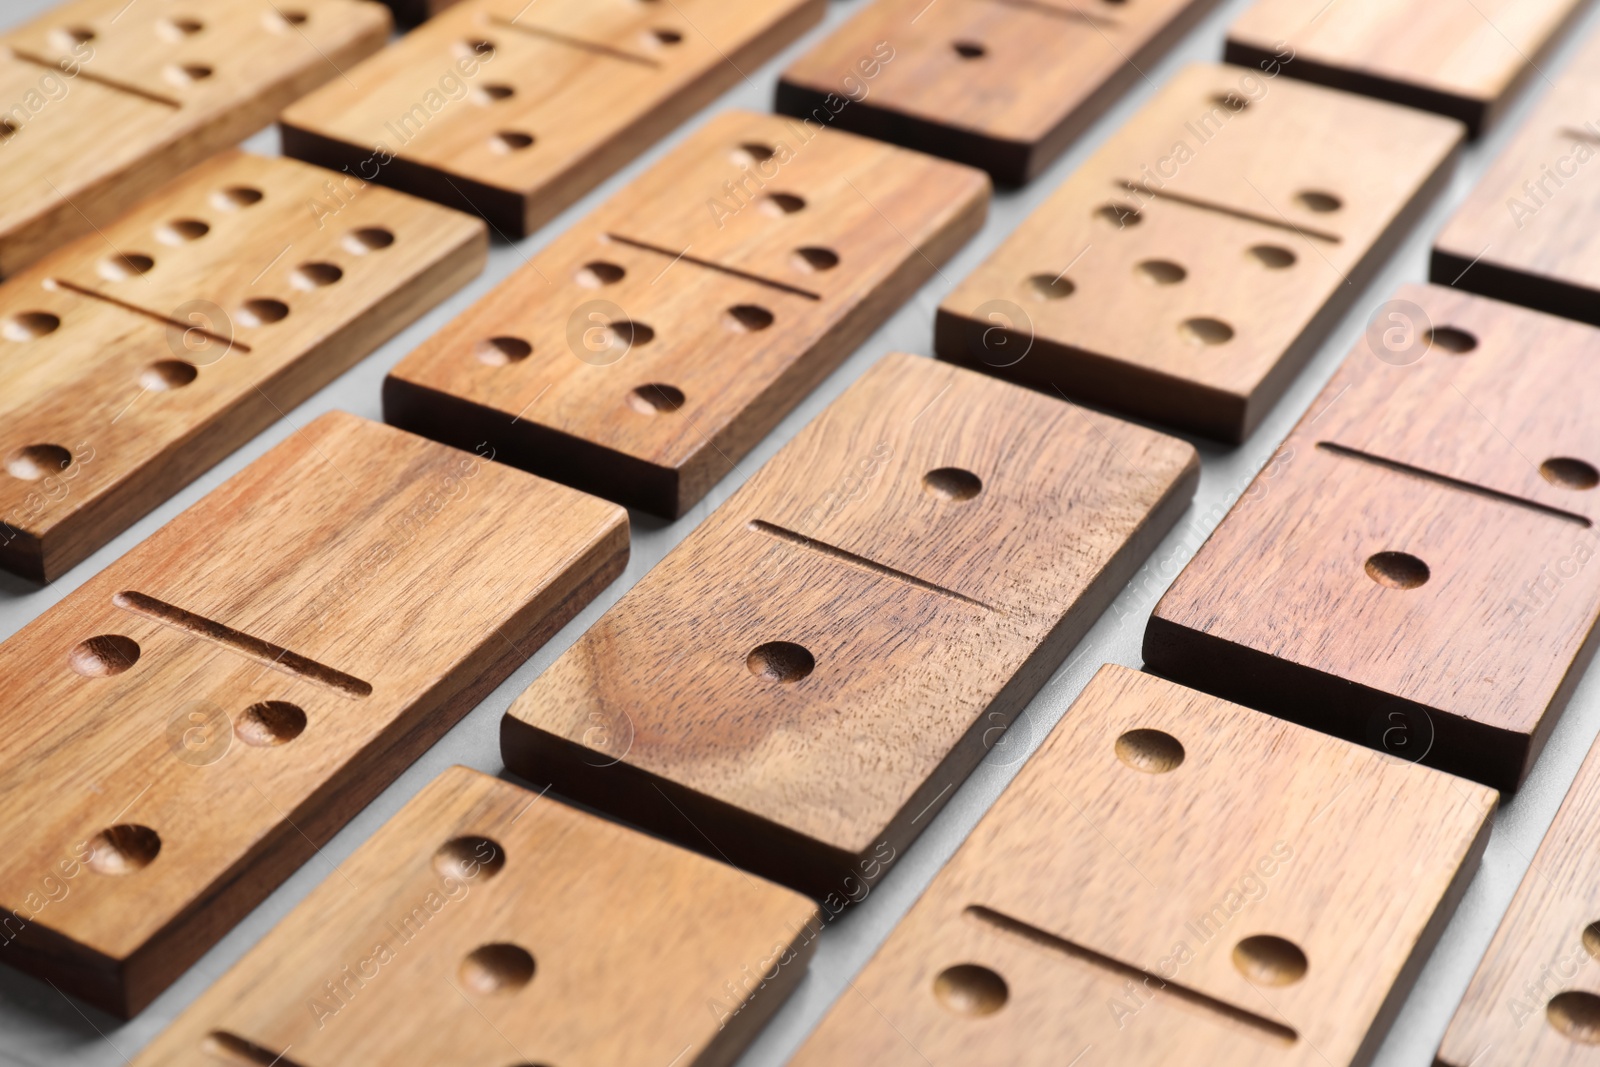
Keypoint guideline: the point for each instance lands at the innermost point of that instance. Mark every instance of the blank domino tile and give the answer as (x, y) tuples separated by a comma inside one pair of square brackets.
[(110, 100), (999, 84), (514, 110), (484, 925), (1187, 271), (1172, 879), (186, 726), (1526, 233), (1536, 996), (1465, 61), (801, 683), (1409, 570), (643, 353), (139, 356)]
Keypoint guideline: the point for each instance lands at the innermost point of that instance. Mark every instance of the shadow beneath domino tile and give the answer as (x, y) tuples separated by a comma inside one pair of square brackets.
[(13, 587), (29, 1006), (706, 847), (506, 774), (644, 522), (837, 909)]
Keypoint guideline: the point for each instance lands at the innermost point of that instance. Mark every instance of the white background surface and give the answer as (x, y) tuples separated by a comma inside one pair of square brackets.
[(41, 1028)]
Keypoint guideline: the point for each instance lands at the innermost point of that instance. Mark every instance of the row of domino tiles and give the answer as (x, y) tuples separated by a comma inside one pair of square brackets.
[(128, 848)]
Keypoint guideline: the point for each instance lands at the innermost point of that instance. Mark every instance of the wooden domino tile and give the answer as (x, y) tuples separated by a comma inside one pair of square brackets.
[(486, 925), (1536, 996), (104, 101), (1172, 879), (1526, 233), (514, 110), (641, 355), (183, 729), (1410, 570), (1463, 61), (999, 84), (1189, 269), (138, 356), (800, 684)]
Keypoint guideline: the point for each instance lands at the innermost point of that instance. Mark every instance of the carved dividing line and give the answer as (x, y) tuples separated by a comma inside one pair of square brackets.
[(184, 327), (1235, 213), (263, 652), (235, 1050), (1069, 14), (709, 265), (556, 37), (802, 541), (1452, 483), (99, 79), (1258, 1025)]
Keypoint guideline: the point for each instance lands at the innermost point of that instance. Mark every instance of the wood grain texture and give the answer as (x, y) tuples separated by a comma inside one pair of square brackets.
[(633, 950), (140, 355), (184, 729), (102, 102), (1188, 270), (1115, 908), (1473, 458), (1467, 62), (642, 354), (514, 110), (801, 683), (999, 84), (1535, 996), (1526, 233)]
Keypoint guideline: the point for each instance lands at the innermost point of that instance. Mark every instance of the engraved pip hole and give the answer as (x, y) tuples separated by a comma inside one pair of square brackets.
[(490, 970), (807, 259), (1263, 959), (129, 847), (33, 462), (126, 847), (974, 990), (1574, 1013), (1202, 331), (1402, 570), (174, 29), (662, 398), (1397, 570), (1564, 472), (786, 662), (498, 968), (620, 334)]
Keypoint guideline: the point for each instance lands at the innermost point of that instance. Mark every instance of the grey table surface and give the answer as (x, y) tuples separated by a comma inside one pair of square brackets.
[(39, 1027)]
